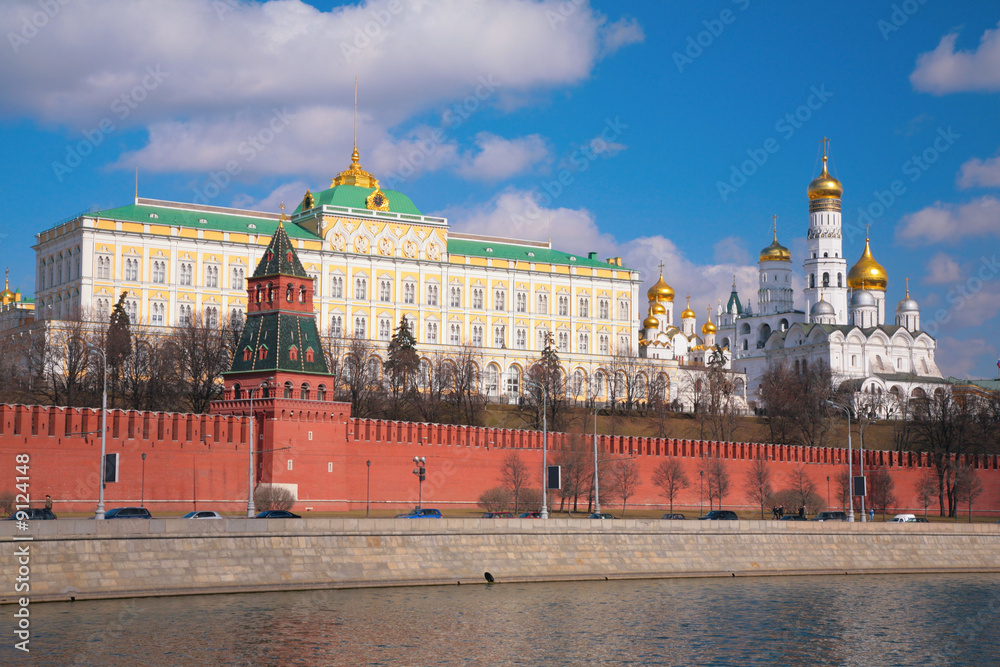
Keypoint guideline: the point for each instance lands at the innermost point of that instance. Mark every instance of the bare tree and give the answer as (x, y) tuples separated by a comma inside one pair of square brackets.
[(758, 483), (843, 488), (716, 479), (927, 488), (802, 488), (577, 472), (945, 426), (496, 499), (546, 387), (669, 476), (624, 480), (467, 401), (881, 489), (968, 487), (202, 356), (797, 404), (514, 476), (362, 386)]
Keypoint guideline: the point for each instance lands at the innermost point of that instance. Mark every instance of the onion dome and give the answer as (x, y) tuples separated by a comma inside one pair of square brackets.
[(688, 313), (907, 305), (708, 327), (825, 186), (7, 296), (867, 273), (775, 253), (821, 308), (862, 298), (657, 309), (651, 323), (661, 291)]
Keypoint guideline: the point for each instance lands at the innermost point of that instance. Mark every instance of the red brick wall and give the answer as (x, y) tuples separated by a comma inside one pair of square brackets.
[(201, 460)]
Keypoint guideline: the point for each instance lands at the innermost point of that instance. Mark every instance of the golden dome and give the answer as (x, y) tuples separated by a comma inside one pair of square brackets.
[(775, 252), (708, 328), (354, 174), (657, 309), (661, 291), (7, 296), (650, 323), (867, 273), (688, 313), (825, 186)]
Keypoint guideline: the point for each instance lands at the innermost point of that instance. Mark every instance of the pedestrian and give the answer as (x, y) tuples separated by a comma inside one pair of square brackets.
[(48, 501), (871, 515)]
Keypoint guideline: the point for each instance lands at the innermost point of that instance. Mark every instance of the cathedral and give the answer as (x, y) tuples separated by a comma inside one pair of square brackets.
[(844, 325)]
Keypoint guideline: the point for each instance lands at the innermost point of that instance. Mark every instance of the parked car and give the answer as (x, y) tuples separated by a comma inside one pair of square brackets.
[(420, 514), (921, 519), (128, 513), (720, 515), (202, 514), (277, 514), (601, 515), (529, 515), (31, 514), (792, 517), (673, 517), (497, 515), (831, 516), (903, 518)]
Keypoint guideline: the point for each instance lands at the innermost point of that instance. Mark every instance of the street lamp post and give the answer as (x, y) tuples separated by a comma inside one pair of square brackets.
[(421, 472), (368, 488), (701, 492), (850, 462), (104, 432), (142, 496), (597, 495), (251, 509), (545, 448)]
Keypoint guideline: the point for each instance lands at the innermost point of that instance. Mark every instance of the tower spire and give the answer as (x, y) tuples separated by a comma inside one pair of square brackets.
[(774, 227), (354, 155), (354, 174)]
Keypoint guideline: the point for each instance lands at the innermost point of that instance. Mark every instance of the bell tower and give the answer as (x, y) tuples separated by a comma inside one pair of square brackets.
[(825, 266)]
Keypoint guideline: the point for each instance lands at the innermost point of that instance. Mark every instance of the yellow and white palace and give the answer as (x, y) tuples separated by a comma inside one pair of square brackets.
[(375, 259)]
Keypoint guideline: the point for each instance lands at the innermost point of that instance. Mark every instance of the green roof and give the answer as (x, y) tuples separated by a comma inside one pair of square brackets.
[(522, 253), (278, 332), (168, 215), (355, 196), (280, 258)]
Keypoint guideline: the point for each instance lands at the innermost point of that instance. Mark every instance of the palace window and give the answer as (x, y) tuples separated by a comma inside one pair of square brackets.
[(584, 309), (543, 338), (432, 295), (360, 327), (477, 298), (187, 274), (337, 326), (212, 317), (477, 336), (409, 293), (184, 315), (103, 267), (336, 287), (361, 288), (603, 309), (384, 329), (500, 299), (157, 317), (455, 297), (236, 276), (624, 309), (583, 343), (385, 290), (499, 337), (603, 344), (211, 276), (455, 334), (521, 339), (159, 272), (432, 332), (563, 306), (131, 269), (563, 344), (522, 302), (543, 304)]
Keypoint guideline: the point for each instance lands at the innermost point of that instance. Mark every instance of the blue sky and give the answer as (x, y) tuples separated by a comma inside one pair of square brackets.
[(658, 131)]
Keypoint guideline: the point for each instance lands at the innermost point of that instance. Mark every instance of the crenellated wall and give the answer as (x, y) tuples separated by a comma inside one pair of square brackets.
[(315, 447)]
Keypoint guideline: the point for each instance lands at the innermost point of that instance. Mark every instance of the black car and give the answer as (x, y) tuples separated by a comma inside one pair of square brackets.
[(32, 514), (831, 516), (128, 513), (673, 517), (720, 515), (793, 517), (277, 514)]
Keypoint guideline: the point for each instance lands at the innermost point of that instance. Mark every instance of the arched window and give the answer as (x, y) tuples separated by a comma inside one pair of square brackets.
[(237, 391), (302, 294), (812, 280), (840, 279), (270, 292), (826, 280), (293, 353), (262, 352), (288, 390), (310, 355), (321, 392), (513, 381), (288, 293), (304, 391)]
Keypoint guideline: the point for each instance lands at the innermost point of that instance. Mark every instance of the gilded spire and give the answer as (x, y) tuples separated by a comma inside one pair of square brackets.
[(774, 252), (354, 174), (825, 186)]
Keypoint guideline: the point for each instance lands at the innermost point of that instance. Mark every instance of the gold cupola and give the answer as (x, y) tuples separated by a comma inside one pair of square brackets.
[(355, 175), (867, 274), (657, 309), (688, 313), (708, 327), (7, 296), (651, 323), (775, 252), (661, 291), (825, 191)]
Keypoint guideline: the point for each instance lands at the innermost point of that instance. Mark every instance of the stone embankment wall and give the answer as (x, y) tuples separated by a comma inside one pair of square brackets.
[(81, 559)]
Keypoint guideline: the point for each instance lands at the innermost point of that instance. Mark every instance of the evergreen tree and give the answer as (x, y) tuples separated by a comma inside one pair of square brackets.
[(401, 368)]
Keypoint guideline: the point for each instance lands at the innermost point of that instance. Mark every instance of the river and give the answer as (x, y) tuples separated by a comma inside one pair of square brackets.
[(820, 620)]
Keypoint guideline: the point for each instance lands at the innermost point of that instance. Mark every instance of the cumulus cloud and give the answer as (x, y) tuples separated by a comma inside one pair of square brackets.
[(498, 158), (289, 194), (203, 75), (942, 269), (731, 249), (949, 223), (980, 173), (945, 70), (516, 214)]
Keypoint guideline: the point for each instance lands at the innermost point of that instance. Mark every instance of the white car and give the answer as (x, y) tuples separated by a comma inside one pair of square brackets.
[(903, 518), (202, 514)]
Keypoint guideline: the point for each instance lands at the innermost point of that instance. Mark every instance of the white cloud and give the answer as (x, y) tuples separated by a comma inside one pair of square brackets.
[(515, 214), (500, 158), (950, 223), (942, 269), (981, 173), (945, 70), (289, 194), (222, 68), (966, 357)]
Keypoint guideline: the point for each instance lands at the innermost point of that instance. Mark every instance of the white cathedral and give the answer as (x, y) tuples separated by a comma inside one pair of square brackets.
[(843, 325)]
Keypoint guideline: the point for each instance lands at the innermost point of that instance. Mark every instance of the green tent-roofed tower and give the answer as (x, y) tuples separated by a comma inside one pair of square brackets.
[(280, 334)]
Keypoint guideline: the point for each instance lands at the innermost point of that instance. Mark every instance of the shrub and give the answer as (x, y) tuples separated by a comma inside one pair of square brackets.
[(496, 499), (270, 497)]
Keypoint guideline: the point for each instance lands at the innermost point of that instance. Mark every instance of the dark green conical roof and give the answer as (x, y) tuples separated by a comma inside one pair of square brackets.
[(280, 257)]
